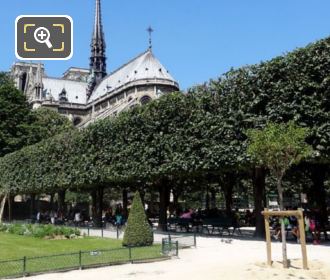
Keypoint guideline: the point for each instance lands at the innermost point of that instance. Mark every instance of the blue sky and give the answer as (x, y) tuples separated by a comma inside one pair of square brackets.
[(195, 39)]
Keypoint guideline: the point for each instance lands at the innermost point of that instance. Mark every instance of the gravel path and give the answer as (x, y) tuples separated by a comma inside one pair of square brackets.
[(215, 258)]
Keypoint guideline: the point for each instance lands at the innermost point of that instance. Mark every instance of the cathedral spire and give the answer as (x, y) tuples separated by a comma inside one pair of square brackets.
[(98, 58)]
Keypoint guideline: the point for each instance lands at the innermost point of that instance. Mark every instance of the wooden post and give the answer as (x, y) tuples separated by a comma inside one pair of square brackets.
[(268, 240), (302, 238), (300, 217)]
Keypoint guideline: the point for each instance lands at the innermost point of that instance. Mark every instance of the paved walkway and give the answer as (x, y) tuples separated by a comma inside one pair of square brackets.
[(213, 259)]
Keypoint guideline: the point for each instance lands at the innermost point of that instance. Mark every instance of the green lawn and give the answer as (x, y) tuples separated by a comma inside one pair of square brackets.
[(16, 246), (39, 253)]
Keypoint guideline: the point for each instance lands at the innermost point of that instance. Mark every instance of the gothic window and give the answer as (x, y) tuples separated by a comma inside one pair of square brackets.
[(145, 99), (22, 81), (76, 121)]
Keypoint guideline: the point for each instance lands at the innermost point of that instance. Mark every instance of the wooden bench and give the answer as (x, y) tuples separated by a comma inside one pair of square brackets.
[(221, 224), (179, 223), (171, 224), (184, 223)]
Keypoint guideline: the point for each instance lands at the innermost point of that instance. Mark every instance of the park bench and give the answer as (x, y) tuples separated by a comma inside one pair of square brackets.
[(221, 224), (184, 223), (173, 224)]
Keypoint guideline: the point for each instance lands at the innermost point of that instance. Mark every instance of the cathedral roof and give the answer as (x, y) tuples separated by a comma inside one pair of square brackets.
[(144, 67), (75, 90)]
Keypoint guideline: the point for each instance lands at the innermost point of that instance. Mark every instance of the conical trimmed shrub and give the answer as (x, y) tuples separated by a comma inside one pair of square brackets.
[(138, 231)]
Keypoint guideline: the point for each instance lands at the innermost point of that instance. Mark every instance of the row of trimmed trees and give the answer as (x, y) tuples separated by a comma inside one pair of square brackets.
[(19, 126), (196, 137)]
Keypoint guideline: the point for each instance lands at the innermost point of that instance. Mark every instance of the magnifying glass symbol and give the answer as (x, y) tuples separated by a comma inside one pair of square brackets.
[(42, 35)]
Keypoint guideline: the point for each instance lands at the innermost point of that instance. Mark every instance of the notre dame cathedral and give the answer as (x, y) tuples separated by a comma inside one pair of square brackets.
[(86, 95)]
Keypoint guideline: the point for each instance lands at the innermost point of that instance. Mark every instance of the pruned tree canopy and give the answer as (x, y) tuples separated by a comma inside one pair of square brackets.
[(186, 135)]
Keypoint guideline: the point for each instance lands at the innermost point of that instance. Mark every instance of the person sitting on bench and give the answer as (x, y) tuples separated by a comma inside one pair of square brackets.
[(187, 215)]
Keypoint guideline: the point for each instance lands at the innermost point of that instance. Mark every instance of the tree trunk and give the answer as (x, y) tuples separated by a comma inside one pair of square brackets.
[(125, 203), (97, 197), (283, 232), (37, 202), (163, 204), (2, 207), (153, 202), (229, 199), (32, 206), (94, 203), (51, 202), (213, 199), (207, 199), (176, 202), (318, 176), (61, 202), (142, 195), (10, 207), (259, 182), (227, 187)]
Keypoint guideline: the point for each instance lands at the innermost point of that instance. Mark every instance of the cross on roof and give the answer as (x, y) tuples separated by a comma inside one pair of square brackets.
[(150, 30)]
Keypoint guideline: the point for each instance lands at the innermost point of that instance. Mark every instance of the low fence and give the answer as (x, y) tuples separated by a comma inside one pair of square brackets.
[(85, 259), (170, 248), (184, 240), (112, 232)]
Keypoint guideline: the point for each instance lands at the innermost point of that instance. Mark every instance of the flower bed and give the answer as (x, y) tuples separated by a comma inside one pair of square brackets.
[(40, 231)]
